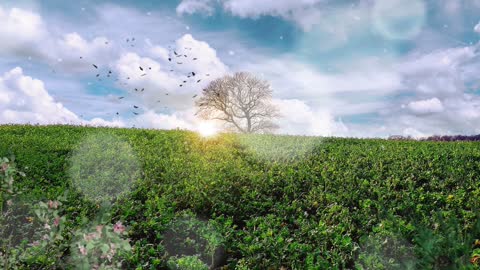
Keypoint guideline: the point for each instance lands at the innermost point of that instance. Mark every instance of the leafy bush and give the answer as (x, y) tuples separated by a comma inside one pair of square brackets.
[(259, 202)]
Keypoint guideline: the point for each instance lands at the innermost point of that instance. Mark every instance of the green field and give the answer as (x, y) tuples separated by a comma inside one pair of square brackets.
[(256, 201)]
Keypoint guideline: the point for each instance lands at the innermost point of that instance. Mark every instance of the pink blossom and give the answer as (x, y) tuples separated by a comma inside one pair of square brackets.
[(83, 250), (47, 226), (90, 236), (118, 227), (4, 167), (56, 221), (35, 244), (99, 229), (52, 204)]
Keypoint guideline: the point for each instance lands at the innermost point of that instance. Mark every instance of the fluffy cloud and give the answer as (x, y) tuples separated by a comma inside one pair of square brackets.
[(25, 34), (193, 6), (297, 118), (304, 12), (72, 46), (20, 31), (477, 28), (162, 84), (24, 99), (428, 106)]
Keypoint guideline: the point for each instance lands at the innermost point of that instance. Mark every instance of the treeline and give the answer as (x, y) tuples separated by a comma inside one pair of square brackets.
[(438, 138)]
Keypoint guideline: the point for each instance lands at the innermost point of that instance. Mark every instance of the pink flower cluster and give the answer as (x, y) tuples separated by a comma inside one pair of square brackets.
[(4, 167), (91, 236), (110, 253), (118, 227), (53, 204)]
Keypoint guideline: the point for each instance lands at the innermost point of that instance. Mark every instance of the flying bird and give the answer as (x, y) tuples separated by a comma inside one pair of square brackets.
[(184, 81), (181, 85), (95, 66), (141, 68), (143, 89), (170, 59), (207, 74), (195, 59), (98, 75), (193, 73), (121, 97), (144, 74), (117, 113), (175, 52), (135, 113), (198, 81), (136, 107), (194, 96)]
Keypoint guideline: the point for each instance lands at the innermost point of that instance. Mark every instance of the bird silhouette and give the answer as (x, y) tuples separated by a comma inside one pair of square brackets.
[(194, 96), (121, 97), (141, 68), (136, 107), (198, 81), (95, 66), (193, 73)]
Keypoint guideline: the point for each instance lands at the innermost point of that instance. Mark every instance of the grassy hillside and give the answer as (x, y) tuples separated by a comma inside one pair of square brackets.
[(258, 202)]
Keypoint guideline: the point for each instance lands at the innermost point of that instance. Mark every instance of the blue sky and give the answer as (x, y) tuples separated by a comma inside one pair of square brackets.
[(363, 68)]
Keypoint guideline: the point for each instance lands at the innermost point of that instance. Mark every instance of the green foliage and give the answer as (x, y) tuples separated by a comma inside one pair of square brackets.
[(187, 263), (103, 167), (254, 201)]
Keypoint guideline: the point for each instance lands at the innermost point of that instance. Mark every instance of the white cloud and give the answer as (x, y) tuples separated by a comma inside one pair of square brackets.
[(24, 99), (193, 6), (477, 28), (305, 13), (428, 106), (20, 30), (160, 81), (297, 118)]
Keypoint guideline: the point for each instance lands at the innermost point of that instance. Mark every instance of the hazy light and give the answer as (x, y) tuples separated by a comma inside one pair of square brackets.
[(399, 19), (207, 129)]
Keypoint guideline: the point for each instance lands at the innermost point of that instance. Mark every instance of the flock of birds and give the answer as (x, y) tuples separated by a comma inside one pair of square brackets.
[(174, 57)]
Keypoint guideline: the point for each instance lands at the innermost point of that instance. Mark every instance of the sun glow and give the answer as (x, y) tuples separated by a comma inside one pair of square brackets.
[(207, 129)]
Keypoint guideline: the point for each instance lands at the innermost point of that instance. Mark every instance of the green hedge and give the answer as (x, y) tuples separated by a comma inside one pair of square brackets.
[(263, 201)]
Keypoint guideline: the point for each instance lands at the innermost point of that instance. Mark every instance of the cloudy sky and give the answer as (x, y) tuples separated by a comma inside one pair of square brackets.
[(355, 68)]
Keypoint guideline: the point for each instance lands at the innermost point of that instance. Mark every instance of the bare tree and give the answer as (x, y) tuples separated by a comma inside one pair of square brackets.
[(241, 101)]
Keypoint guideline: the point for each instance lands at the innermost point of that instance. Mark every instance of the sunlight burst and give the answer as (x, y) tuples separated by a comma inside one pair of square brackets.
[(207, 129)]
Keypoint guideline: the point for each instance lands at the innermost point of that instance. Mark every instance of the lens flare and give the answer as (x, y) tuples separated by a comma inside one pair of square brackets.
[(207, 129), (399, 19)]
